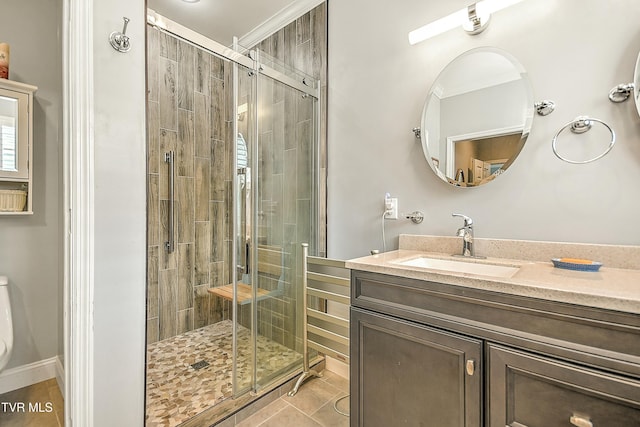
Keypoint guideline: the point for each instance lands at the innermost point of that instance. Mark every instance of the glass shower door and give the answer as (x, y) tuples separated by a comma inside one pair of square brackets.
[(275, 210), (284, 217)]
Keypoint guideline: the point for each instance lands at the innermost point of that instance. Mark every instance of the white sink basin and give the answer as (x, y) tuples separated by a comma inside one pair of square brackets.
[(455, 266)]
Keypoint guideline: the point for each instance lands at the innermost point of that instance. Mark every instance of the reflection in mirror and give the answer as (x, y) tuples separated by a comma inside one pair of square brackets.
[(8, 137), (477, 117)]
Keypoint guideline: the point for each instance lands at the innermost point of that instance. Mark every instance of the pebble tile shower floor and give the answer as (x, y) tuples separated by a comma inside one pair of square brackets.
[(189, 373)]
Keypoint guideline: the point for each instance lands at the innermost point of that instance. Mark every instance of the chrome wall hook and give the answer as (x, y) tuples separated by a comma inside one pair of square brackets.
[(417, 132), (119, 40), (621, 92)]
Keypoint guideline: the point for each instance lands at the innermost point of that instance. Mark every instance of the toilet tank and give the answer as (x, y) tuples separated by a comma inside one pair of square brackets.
[(6, 327), (6, 324)]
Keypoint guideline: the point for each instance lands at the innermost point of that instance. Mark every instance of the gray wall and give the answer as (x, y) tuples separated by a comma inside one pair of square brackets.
[(574, 53), (31, 246), (119, 217)]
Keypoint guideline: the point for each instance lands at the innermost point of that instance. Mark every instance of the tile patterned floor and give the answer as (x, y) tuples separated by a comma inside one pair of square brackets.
[(312, 406), (46, 410), (176, 390)]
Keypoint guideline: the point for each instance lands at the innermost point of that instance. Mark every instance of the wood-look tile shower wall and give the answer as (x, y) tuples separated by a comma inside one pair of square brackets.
[(187, 113)]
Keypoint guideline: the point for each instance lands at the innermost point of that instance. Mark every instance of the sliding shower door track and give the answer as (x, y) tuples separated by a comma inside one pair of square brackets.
[(305, 85)]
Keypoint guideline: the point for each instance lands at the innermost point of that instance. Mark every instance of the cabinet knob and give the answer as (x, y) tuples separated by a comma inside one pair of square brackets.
[(579, 421), (471, 367)]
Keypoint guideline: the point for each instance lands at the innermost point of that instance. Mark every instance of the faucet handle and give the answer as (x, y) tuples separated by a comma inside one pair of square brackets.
[(468, 222)]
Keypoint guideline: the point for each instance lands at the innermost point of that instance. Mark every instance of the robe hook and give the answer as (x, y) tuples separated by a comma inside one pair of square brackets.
[(119, 40)]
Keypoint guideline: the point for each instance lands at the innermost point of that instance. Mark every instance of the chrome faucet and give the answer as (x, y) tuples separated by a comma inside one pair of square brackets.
[(466, 232)]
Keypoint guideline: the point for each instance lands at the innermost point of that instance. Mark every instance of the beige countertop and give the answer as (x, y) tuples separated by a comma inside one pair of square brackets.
[(609, 288)]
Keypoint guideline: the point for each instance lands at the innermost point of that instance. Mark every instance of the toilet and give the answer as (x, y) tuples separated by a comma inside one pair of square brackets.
[(6, 324)]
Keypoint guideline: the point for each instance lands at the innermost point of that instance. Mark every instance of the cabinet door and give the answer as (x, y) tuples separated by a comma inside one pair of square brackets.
[(531, 391), (14, 135), (406, 374)]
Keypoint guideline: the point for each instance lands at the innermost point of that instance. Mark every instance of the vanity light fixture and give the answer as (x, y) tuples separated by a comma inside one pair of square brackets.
[(474, 19)]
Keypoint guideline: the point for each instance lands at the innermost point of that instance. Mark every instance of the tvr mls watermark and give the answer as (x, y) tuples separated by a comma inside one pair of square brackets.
[(26, 407)]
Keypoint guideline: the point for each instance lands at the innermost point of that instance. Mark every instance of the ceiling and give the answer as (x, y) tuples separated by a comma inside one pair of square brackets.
[(220, 20)]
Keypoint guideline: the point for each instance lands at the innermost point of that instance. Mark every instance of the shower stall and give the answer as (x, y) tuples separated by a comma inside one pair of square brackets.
[(233, 179)]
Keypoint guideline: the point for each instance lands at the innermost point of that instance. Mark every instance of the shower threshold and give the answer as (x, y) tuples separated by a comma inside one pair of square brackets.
[(246, 405)]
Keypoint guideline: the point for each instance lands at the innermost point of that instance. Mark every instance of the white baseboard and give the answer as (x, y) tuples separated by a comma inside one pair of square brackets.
[(60, 375), (337, 367), (26, 375)]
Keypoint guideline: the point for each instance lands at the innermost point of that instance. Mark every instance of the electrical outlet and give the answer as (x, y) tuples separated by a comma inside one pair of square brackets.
[(392, 208)]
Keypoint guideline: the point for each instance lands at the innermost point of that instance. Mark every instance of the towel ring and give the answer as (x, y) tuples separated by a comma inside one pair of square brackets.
[(582, 124)]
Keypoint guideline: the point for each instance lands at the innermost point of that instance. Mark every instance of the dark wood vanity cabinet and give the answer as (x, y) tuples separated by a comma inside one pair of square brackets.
[(431, 354), (528, 390)]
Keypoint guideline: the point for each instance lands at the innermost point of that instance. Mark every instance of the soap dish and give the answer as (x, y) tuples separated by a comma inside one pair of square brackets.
[(576, 264)]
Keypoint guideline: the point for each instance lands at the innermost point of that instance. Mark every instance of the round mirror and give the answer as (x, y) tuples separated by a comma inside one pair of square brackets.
[(477, 117)]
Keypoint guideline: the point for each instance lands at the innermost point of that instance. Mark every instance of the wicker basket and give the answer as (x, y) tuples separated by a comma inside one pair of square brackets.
[(12, 200)]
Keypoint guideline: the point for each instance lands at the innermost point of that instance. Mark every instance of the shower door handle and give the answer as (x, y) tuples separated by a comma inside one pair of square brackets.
[(247, 252), (170, 244)]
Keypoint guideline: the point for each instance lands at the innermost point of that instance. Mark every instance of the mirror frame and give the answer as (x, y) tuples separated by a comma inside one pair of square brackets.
[(526, 123)]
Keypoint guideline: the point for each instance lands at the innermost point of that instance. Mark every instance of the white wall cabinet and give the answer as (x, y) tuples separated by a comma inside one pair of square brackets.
[(16, 147)]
